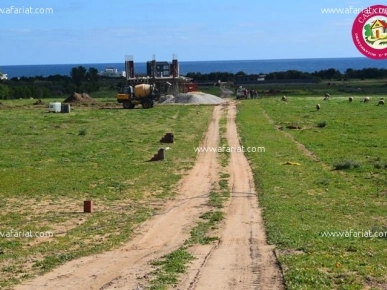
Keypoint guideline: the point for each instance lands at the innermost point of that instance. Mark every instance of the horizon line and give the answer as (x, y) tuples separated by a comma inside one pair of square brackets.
[(182, 61)]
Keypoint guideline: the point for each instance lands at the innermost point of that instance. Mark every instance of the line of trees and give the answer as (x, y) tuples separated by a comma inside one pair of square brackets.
[(23, 91), (213, 76), (289, 74), (80, 80), (327, 74)]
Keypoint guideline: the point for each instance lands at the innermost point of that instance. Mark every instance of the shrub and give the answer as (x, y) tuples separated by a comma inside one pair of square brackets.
[(322, 124), (346, 164), (82, 132)]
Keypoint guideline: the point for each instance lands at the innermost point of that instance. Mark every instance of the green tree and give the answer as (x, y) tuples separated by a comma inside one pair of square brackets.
[(78, 74), (241, 73), (92, 74)]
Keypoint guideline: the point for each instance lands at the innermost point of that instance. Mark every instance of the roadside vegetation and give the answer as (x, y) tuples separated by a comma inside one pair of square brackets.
[(317, 181)]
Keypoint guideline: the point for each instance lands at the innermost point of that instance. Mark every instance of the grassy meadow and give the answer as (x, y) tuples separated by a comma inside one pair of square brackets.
[(328, 177), (51, 162), (336, 182)]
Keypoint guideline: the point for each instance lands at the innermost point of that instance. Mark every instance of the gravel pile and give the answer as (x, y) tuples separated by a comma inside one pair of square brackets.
[(191, 98)]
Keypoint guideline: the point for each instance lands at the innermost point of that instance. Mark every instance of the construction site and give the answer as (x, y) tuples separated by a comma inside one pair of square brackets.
[(164, 75), (162, 84)]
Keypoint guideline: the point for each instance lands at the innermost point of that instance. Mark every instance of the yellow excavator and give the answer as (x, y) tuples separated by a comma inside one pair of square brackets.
[(141, 94)]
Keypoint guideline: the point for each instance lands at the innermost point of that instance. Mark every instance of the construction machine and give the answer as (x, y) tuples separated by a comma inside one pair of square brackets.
[(143, 94)]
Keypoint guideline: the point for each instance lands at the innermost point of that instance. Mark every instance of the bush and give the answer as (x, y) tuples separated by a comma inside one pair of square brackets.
[(346, 164), (82, 132), (322, 124)]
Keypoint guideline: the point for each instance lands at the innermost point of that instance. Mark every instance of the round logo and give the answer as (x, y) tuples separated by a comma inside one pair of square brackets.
[(369, 32)]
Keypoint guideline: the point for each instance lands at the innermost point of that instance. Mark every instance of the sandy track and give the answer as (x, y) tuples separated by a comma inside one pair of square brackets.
[(242, 259), (123, 268)]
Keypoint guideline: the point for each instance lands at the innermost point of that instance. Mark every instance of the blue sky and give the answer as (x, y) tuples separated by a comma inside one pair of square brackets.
[(96, 31)]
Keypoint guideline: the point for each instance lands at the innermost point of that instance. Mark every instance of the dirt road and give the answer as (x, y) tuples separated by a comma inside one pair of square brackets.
[(242, 259)]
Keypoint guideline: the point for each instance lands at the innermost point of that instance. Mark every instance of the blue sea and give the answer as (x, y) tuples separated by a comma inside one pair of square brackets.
[(231, 66)]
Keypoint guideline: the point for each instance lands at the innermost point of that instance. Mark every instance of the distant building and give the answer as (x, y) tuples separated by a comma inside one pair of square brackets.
[(3, 76), (158, 69), (112, 72)]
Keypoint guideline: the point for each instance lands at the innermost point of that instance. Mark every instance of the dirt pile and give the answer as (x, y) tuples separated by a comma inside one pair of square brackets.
[(191, 98), (79, 98)]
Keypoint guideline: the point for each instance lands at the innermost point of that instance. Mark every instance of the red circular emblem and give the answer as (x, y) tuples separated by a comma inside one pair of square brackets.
[(369, 32)]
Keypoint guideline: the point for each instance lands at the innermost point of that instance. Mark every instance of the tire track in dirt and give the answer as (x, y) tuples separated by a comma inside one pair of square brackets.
[(127, 267), (242, 259)]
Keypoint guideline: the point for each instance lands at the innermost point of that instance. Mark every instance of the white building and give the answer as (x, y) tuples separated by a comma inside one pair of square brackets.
[(3, 76), (112, 73)]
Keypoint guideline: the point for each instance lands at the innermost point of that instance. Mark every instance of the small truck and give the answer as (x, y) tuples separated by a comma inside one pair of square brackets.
[(143, 94)]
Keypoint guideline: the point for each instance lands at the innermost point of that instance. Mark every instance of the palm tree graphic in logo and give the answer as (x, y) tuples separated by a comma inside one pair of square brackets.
[(375, 33)]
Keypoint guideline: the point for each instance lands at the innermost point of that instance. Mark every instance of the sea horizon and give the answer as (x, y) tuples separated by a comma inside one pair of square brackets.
[(219, 60), (207, 66)]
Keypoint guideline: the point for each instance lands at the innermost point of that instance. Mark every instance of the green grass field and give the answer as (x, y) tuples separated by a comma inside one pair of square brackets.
[(52, 162), (303, 201)]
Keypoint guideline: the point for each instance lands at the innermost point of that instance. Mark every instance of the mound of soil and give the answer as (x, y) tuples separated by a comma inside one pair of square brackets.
[(79, 98)]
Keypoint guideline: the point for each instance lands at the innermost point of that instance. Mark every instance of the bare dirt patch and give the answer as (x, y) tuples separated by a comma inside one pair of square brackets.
[(50, 218)]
